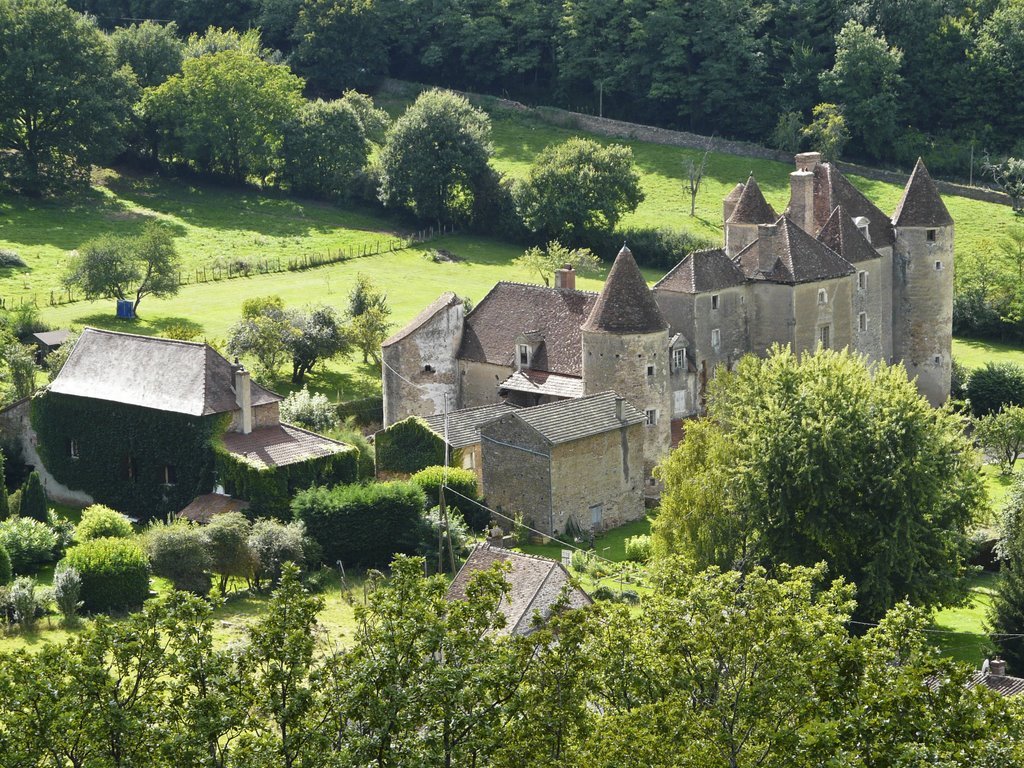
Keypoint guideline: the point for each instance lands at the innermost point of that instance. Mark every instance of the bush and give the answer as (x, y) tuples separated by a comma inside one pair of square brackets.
[(273, 544), (362, 524), (10, 258), (431, 530), (638, 549), (63, 529), (24, 602), (67, 591), (310, 410), (228, 539), (5, 566), (651, 247), (114, 573), (100, 522), (179, 552), (408, 446), (995, 385), (462, 481), (29, 543), (581, 560), (366, 468), (14, 503), (33, 499), (365, 411)]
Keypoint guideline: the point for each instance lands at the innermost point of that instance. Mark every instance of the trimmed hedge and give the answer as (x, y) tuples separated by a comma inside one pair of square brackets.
[(408, 446), (100, 522), (995, 385), (365, 411), (363, 524), (29, 543), (269, 490), (114, 573), (462, 481)]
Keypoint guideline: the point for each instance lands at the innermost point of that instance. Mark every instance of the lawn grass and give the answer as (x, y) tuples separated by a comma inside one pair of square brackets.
[(962, 630), (975, 353)]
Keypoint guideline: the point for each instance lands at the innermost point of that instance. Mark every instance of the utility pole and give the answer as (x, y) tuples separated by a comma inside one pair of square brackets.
[(442, 507)]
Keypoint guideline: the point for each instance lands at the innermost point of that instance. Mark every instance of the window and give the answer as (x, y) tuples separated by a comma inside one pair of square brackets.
[(469, 459), (170, 474), (428, 369), (714, 301), (129, 470), (822, 296), (652, 416), (523, 355), (73, 449), (596, 515), (862, 321), (716, 338), (938, 266), (862, 280), (938, 359), (650, 371), (930, 235), (823, 336), (678, 359)]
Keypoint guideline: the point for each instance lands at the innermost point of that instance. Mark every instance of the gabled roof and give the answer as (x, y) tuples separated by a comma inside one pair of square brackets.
[(921, 204), (568, 420), (832, 189), (751, 207), (464, 424), (700, 271), (1004, 684), (796, 257), (543, 383), (509, 309), (280, 445), (536, 585), (845, 238), (150, 372), (444, 301), (204, 508), (625, 304)]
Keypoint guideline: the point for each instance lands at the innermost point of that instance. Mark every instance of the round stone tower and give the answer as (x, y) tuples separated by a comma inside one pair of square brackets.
[(625, 349), (922, 306)]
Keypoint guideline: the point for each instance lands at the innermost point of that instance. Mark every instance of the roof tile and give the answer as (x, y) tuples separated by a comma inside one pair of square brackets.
[(626, 304), (921, 204)]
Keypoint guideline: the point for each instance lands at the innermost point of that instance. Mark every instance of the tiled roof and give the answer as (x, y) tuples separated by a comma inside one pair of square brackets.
[(832, 189), (921, 204), (708, 270), (150, 372), (204, 508), (843, 236), (543, 383), (796, 257), (444, 301), (510, 309), (752, 208), (464, 424), (280, 445), (568, 420), (536, 584), (1004, 684), (626, 304), (735, 194)]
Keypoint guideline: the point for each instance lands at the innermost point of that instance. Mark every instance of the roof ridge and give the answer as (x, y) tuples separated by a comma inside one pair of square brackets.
[(148, 337), (540, 287), (533, 597), (297, 428), (921, 204)]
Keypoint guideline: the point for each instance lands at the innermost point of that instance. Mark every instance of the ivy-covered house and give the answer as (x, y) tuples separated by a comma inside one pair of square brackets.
[(147, 424)]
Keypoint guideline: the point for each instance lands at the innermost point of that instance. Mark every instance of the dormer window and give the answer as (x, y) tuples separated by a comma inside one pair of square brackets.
[(679, 359), (864, 226), (523, 355)]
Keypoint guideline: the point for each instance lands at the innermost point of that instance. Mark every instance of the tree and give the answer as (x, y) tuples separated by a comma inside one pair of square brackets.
[(369, 317), (5, 508), (325, 30), (543, 262), (1001, 434), (695, 175), (63, 103), (273, 544), (21, 362), (789, 132), (1009, 177), (827, 132), (324, 148), (152, 51), (33, 499), (228, 535), (265, 333), (995, 386), (996, 75), (375, 120), (435, 156), (1006, 613), (179, 552), (225, 113), (823, 459), (1011, 245), (127, 267), (866, 80), (577, 187), (320, 337)]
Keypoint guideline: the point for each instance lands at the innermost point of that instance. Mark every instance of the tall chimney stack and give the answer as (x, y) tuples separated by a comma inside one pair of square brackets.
[(766, 254), (620, 408), (997, 667), (243, 396), (565, 278), (801, 200)]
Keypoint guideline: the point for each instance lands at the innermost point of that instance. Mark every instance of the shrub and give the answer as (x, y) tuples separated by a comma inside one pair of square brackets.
[(67, 591), (63, 529), (100, 522), (14, 503), (365, 467), (114, 573), (362, 524), (24, 602), (462, 481), (10, 258), (5, 566), (581, 560), (179, 552), (29, 543), (430, 532), (228, 539), (638, 549), (365, 411), (995, 385), (33, 499), (273, 544), (408, 446), (308, 409)]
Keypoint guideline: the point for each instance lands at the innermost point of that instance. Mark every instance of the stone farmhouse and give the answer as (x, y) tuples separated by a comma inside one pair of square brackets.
[(832, 271)]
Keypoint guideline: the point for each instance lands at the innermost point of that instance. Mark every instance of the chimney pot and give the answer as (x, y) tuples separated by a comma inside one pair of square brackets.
[(996, 667), (801, 199), (806, 161), (565, 278)]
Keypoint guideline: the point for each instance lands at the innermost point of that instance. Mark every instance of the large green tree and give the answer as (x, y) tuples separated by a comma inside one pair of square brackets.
[(435, 157), (341, 43), (63, 102), (153, 51), (324, 148), (1006, 613), (821, 458)]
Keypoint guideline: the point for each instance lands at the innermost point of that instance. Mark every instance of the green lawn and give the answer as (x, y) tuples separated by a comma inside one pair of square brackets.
[(974, 353), (962, 634)]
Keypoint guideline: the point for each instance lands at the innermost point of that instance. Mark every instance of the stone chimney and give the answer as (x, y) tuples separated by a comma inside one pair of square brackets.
[(620, 409), (766, 250), (243, 396), (801, 199), (997, 667), (807, 161), (565, 278)]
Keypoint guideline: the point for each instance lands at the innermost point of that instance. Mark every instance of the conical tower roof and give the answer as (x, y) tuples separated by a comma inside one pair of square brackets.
[(626, 304), (921, 205), (752, 208), (842, 236)]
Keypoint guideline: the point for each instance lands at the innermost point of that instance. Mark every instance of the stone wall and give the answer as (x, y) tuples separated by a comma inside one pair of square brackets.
[(478, 383), (812, 315), (517, 472)]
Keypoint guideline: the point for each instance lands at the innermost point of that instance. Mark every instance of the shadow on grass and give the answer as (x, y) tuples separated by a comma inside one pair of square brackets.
[(141, 325)]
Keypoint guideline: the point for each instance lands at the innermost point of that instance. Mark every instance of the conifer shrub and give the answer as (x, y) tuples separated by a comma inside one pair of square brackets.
[(5, 566), (114, 573), (33, 499), (100, 522), (463, 483), (29, 543), (67, 591)]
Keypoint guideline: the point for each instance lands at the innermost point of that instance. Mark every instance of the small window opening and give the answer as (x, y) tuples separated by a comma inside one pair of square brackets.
[(938, 266), (938, 359), (678, 359), (822, 296), (930, 235), (524, 355), (714, 301), (862, 280), (129, 470), (716, 338), (650, 371), (428, 369), (170, 474), (824, 336), (652, 416), (73, 449), (862, 321)]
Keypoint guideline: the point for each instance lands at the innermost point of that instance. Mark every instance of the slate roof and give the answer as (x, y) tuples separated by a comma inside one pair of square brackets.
[(543, 383), (845, 238), (751, 207), (204, 508), (149, 372), (280, 445), (509, 309), (536, 584), (625, 304), (444, 301), (700, 271), (51, 338), (568, 420), (832, 189), (1004, 684), (921, 204), (735, 193), (798, 257), (464, 424)]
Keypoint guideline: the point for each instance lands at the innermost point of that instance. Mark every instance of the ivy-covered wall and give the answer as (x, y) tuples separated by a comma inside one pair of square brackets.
[(122, 452), (408, 446)]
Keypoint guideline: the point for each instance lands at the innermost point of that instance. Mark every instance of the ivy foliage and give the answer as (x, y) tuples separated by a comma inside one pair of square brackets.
[(463, 482), (408, 446)]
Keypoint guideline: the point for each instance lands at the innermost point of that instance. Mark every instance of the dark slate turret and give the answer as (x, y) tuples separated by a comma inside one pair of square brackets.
[(626, 304), (921, 205), (752, 208)]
